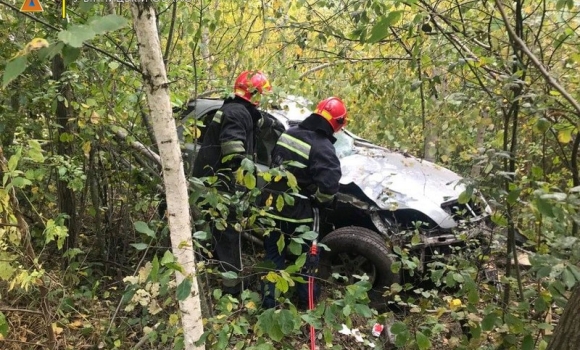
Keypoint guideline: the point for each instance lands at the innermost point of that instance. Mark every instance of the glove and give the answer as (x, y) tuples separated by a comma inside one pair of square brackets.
[(331, 204), (268, 123)]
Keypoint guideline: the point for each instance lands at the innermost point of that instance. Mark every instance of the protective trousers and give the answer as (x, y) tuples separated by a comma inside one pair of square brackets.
[(227, 245), (279, 259)]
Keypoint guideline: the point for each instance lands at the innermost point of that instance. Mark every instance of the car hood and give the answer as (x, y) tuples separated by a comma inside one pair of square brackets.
[(395, 180)]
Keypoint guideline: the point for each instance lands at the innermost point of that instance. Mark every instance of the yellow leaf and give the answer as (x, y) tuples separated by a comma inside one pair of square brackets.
[(272, 277), (240, 176), (299, 51), (251, 305), (565, 135), (444, 158), (278, 178), (454, 304), (95, 117), (56, 329), (269, 200), (173, 319), (87, 148), (292, 182), (35, 44), (195, 132), (75, 324)]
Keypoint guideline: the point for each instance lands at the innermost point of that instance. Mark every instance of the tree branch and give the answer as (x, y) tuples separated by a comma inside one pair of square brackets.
[(536, 62), (138, 146), (113, 57)]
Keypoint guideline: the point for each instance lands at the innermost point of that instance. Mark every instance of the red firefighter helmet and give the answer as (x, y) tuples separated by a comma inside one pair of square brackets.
[(250, 85), (333, 110)]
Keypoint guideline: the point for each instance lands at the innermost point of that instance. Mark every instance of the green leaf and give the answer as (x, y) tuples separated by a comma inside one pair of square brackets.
[(288, 199), (575, 271), (458, 277), (139, 246), (544, 207), (568, 278), (249, 180), (35, 152), (275, 332), (279, 203), (168, 258), (513, 196), (108, 23), (363, 310), (528, 343), (422, 341), (488, 322), (280, 243), (248, 165), (76, 35), (295, 248), (465, 196), (21, 182), (48, 53), (381, 28), (542, 125), (415, 240), (154, 269), (184, 289), (13, 69), (201, 235), (398, 327), (85, 6), (309, 235), (70, 54), (301, 260), (3, 326), (142, 227), (346, 310), (229, 275), (286, 321), (292, 182)]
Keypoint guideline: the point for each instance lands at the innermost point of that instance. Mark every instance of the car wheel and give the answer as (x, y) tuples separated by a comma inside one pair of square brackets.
[(355, 251)]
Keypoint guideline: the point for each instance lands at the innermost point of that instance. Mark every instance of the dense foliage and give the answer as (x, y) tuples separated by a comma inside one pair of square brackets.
[(84, 253)]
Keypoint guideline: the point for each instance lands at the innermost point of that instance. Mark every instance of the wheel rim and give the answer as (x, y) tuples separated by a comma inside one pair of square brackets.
[(348, 265)]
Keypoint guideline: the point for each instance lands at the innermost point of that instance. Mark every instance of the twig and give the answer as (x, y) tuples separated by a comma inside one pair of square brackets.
[(8, 309), (536, 62), (24, 342), (138, 145), (144, 338), (26, 14)]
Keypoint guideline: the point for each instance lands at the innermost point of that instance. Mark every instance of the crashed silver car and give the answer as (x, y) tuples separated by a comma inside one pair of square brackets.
[(385, 198)]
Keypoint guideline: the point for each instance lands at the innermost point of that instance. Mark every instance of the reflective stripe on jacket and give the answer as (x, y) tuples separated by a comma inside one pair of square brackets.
[(231, 132), (318, 179)]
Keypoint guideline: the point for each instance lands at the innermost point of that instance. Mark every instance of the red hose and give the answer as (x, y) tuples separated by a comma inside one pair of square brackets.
[(313, 252)]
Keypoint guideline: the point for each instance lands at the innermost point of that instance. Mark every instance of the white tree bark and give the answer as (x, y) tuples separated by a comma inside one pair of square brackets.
[(157, 90)]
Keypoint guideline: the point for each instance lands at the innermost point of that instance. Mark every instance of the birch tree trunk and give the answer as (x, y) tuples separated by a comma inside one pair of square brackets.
[(567, 333), (157, 90)]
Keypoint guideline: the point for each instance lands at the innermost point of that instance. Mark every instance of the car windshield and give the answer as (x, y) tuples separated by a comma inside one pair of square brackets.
[(344, 144)]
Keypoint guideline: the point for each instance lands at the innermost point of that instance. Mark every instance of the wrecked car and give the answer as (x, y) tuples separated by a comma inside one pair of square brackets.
[(384, 195)]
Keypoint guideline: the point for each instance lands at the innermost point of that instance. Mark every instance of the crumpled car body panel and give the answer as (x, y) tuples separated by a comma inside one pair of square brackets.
[(390, 180)]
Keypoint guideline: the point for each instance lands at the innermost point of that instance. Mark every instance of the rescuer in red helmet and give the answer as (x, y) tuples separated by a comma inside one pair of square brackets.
[(231, 137), (311, 144)]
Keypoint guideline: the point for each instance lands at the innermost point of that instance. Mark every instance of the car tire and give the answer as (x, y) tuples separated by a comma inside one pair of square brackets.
[(361, 249)]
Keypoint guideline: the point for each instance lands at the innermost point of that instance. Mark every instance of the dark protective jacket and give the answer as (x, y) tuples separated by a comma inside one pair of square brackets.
[(311, 144), (232, 131)]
